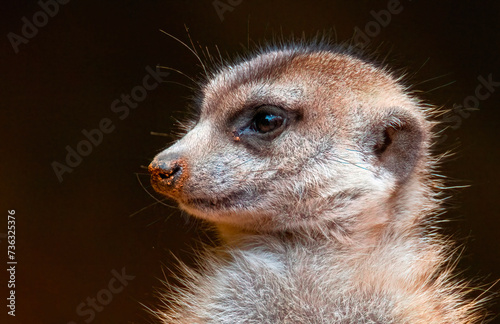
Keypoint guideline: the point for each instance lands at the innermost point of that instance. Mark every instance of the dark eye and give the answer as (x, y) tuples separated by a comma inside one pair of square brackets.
[(263, 123), (266, 122)]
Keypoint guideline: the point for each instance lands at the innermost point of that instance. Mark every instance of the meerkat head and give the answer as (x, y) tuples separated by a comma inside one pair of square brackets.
[(299, 137)]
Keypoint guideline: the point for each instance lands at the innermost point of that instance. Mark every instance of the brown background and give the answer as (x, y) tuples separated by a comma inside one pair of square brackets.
[(71, 235)]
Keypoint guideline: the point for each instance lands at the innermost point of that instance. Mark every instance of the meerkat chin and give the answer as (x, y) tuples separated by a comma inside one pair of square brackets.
[(315, 167)]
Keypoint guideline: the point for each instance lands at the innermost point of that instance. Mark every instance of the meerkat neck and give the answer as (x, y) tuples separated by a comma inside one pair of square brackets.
[(228, 233), (232, 235)]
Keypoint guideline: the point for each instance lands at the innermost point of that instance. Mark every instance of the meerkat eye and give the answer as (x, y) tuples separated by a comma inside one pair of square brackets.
[(265, 122), (262, 123), (268, 119)]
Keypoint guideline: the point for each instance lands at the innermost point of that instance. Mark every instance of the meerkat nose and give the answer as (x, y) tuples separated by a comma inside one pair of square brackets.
[(166, 176)]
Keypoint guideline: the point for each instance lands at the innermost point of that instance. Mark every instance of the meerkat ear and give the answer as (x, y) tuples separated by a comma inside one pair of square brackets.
[(399, 143)]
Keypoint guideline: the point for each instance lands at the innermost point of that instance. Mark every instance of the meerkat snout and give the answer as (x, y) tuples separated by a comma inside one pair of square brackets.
[(167, 174)]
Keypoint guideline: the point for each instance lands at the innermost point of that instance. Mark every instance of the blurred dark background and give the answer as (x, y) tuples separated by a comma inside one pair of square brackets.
[(72, 237)]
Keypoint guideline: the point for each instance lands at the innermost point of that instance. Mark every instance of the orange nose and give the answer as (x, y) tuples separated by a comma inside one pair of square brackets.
[(167, 177)]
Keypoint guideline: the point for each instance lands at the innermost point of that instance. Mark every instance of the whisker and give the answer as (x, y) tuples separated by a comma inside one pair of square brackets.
[(159, 201), (432, 79), (441, 86), (180, 72), (190, 39), (220, 56), (190, 49), (244, 162), (262, 170), (202, 51), (181, 84), (420, 68), (159, 134), (143, 208), (352, 163), (155, 221), (248, 32), (209, 55)]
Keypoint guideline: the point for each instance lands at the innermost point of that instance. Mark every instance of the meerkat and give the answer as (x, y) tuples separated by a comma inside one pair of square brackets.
[(315, 167)]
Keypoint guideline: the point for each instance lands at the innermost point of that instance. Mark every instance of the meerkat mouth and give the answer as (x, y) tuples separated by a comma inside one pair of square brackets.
[(236, 199)]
